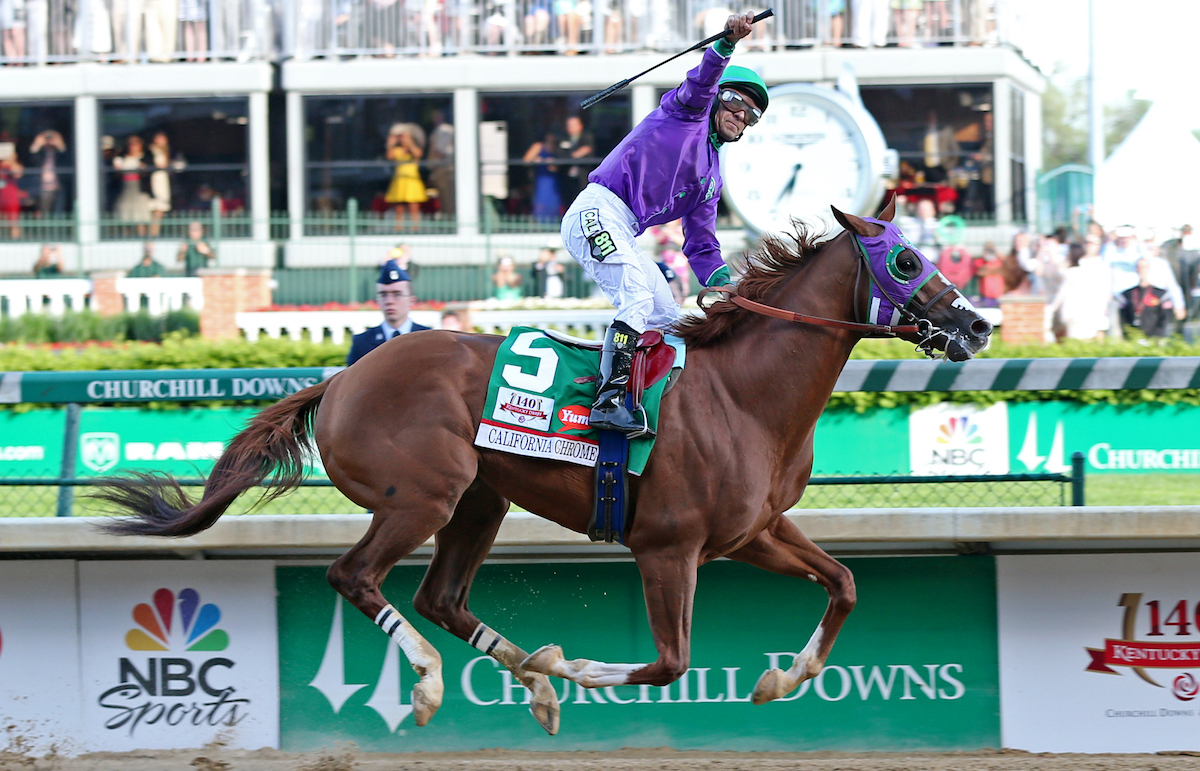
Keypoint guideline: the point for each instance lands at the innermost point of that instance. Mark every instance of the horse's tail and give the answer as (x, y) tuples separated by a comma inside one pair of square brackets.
[(274, 444)]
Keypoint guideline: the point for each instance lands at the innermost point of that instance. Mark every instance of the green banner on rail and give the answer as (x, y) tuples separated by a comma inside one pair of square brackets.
[(185, 385), (906, 673)]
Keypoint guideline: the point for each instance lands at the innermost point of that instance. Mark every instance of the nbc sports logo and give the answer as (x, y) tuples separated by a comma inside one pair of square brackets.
[(959, 430), (171, 623), (949, 438)]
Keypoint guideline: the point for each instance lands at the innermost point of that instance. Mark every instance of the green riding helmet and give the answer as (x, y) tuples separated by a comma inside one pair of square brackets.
[(748, 80)]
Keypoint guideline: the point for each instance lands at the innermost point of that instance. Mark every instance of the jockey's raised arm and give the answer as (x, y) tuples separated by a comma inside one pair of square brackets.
[(667, 168)]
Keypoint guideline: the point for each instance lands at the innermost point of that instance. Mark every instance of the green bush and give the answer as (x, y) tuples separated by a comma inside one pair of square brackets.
[(178, 350), (87, 326)]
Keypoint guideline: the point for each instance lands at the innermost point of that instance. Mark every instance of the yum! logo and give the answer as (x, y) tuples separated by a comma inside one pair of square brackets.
[(183, 689), (1167, 622), (575, 417)]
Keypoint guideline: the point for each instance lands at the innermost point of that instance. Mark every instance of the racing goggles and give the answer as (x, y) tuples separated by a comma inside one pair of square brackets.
[(735, 101)]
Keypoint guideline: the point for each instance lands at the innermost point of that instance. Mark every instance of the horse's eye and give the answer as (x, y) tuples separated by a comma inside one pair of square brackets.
[(908, 265)]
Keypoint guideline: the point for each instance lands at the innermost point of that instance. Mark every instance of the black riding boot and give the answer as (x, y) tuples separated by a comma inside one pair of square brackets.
[(616, 360)]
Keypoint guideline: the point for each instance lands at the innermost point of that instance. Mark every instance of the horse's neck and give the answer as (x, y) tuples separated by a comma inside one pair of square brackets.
[(793, 367)]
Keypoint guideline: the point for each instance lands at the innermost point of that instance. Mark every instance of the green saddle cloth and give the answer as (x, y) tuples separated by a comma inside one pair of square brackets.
[(535, 408)]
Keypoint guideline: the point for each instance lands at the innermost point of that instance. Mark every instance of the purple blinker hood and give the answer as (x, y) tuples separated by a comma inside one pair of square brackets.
[(890, 290)]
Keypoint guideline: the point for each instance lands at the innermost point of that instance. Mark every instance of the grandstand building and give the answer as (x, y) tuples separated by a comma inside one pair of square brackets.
[(277, 117)]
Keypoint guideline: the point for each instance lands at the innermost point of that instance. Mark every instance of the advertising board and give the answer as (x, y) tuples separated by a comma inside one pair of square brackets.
[(180, 442), (39, 658), (178, 654), (906, 672), (31, 443), (1155, 438), (1100, 652)]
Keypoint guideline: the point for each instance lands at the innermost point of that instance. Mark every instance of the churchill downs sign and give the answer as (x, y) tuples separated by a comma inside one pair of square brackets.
[(158, 385)]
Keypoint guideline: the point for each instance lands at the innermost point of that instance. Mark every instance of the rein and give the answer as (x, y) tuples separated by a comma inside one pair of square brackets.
[(732, 296), (921, 327)]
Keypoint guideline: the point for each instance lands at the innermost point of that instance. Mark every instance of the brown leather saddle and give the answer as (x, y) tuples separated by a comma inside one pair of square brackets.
[(652, 362)]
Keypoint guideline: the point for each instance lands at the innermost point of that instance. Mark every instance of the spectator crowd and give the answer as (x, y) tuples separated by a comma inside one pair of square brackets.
[(52, 31), (1099, 283)]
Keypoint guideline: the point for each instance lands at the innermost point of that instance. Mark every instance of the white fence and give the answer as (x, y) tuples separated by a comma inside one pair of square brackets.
[(317, 325), (50, 295), (161, 294)]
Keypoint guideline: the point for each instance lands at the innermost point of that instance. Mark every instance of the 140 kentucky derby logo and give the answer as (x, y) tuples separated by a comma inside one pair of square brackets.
[(1168, 619)]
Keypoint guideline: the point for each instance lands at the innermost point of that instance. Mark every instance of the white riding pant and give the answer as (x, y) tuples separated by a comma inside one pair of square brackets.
[(626, 274)]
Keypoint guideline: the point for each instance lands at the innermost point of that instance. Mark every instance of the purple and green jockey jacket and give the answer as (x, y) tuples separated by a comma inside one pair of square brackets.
[(668, 167)]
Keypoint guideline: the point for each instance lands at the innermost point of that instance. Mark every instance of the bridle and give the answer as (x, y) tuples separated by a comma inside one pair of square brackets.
[(918, 324)]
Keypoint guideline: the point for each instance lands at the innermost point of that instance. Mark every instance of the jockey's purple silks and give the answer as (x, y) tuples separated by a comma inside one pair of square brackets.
[(667, 168), (890, 290)]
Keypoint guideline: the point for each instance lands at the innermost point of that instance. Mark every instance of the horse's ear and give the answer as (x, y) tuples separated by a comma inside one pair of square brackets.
[(856, 224), (889, 211)]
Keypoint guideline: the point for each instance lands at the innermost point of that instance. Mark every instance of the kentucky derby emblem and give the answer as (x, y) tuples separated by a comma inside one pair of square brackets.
[(1161, 619), (100, 450), (522, 409)]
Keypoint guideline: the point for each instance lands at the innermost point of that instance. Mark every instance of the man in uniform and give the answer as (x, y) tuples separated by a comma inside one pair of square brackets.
[(665, 169), (394, 291)]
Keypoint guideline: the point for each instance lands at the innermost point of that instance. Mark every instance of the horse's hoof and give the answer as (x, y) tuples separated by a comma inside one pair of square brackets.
[(544, 704), (772, 685), (426, 699), (543, 660)]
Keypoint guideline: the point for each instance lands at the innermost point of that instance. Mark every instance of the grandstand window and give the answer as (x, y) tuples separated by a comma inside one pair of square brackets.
[(944, 136), (539, 190), (40, 136), (347, 152), (206, 141)]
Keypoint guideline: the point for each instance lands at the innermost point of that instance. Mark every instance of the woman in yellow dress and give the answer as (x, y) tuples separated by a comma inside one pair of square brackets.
[(405, 147)]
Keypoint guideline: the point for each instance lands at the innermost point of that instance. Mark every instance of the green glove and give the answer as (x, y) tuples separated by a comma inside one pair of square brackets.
[(724, 47), (720, 276)]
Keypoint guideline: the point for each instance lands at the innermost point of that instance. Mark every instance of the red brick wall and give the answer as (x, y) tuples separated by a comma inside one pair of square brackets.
[(1024, 318), (105, 299), (229, 291)]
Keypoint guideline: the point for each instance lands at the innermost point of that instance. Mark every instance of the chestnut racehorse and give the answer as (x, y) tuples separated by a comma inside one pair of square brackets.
[(734, 452)]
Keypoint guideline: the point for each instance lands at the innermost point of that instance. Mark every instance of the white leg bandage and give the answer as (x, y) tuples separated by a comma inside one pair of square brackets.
[(410, 641)]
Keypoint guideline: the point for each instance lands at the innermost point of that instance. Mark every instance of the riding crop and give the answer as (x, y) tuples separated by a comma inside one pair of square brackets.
[(614, 88)]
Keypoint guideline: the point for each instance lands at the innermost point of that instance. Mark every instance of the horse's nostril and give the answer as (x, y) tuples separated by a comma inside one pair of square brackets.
[(981, 328)]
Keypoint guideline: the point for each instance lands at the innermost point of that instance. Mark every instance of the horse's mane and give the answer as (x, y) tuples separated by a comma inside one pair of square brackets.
[(768, 266)]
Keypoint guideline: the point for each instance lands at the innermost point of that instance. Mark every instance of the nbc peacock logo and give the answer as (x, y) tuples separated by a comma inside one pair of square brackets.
[(173, 622), (959, 430)]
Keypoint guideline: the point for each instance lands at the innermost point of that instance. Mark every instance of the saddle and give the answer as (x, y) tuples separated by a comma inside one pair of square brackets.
[(652, 362)]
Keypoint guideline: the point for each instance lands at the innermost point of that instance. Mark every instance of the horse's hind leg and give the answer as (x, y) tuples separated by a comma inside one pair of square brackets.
[(406, 515), (782, 548), (669, 584), (462, 546)]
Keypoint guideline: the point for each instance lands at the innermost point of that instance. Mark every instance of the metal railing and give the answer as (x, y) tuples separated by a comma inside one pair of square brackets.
[(133, 32), (123, 31), (185, 386)]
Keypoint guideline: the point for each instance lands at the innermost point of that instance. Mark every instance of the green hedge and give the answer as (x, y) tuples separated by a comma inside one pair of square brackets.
[(87, 326), (179, 351)]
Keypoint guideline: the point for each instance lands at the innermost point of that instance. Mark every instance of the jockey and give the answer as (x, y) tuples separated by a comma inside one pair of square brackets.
[(665, 169)]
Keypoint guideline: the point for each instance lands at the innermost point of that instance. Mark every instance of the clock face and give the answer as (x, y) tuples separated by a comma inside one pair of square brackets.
[(813, 147)]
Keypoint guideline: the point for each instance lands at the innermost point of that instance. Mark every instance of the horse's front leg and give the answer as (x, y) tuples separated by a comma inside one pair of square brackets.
[(669, 584), (782, 548)]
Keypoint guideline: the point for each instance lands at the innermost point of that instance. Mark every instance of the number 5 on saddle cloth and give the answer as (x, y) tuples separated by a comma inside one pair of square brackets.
[(538, 401)]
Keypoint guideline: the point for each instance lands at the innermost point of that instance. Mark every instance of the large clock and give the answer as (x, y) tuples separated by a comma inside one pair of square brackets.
[(813, 147)]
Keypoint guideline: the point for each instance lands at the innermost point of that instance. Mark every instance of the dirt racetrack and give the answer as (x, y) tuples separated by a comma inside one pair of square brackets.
[(347, 759)]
